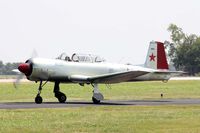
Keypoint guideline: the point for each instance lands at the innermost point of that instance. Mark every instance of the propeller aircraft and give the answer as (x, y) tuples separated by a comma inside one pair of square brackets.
[(88, 69)]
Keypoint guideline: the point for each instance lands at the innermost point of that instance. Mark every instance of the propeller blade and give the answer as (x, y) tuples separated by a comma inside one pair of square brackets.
[(16, 71), (34, 54), (17, 81)]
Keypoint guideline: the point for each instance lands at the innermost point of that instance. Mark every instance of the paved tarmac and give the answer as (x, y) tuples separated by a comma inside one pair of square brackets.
[(26, 105)]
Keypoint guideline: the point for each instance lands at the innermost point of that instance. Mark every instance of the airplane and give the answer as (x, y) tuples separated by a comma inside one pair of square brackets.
[(88, 69)]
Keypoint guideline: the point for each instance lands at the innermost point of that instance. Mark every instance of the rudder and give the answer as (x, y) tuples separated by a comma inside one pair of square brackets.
[(156, 57)]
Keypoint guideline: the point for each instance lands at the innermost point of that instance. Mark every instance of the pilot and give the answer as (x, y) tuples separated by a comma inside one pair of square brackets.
[(67, 58)]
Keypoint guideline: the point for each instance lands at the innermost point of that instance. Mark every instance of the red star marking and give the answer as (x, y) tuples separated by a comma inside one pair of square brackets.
[(152, 57)]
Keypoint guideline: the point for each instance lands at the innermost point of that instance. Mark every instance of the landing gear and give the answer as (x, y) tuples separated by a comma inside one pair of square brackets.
[(97, 96), (95, 101), (59, 95), (38, 98)]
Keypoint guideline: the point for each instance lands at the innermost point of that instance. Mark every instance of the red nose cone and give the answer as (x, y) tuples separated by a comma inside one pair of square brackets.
[(25, 68)]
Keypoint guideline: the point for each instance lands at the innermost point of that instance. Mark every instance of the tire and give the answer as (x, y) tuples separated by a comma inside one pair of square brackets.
[(61, 97), (38, 99), (95, 101)]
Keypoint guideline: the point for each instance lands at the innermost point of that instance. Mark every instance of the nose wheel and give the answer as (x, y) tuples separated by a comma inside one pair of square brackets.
[(38, 99)]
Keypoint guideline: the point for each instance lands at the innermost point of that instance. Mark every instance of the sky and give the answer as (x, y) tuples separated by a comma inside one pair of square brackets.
[(118, 30)]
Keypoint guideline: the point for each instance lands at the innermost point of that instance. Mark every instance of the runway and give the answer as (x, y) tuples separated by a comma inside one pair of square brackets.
[(27, 105)]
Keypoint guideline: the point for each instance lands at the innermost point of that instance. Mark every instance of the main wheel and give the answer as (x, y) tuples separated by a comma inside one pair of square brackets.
[(61, 97), (95, 101), (38, 99)]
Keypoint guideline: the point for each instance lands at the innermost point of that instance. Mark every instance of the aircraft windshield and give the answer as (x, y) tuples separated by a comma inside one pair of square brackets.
[(81, 58)]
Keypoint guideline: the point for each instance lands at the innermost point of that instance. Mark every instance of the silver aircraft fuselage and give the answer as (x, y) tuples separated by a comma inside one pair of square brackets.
[(61, 70)]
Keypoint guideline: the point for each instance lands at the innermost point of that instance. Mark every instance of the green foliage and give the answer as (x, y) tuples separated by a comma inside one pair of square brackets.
[(177, 34), (6, 69), (184, 51)]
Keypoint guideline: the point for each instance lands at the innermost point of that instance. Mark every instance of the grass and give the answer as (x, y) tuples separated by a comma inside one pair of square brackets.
[(8, 76), (126, 119), (123, 91), (103, 119)]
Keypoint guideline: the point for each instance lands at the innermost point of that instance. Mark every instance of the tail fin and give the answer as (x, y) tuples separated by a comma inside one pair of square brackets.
[(156, 57)]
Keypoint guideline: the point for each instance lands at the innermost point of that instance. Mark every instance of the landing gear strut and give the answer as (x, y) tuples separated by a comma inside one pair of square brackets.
[(38, 98), (59, 95), (97, 96)]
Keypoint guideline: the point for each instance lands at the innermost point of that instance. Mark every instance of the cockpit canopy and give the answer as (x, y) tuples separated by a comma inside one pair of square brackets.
[(88, 58)]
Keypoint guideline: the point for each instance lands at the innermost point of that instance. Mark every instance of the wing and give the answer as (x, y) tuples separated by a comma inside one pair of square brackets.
[(172, 73), (107, 78)]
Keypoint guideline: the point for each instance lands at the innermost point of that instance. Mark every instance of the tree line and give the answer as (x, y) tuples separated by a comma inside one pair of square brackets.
[(6, 69), (184, 51)]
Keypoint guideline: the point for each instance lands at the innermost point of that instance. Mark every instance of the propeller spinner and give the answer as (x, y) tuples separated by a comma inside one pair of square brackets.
[(25, 68)]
